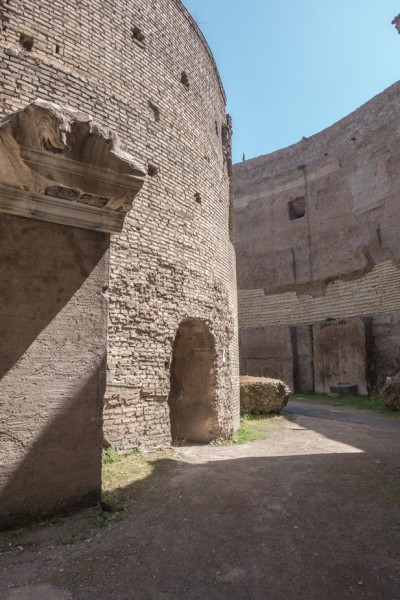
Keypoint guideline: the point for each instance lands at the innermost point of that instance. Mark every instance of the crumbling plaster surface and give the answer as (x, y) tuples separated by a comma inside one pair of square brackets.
[(53, 318), (341, 259), (174, 259)]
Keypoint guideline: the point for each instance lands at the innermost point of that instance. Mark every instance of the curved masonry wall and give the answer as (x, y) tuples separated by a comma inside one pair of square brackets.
[(174, 259), (319, 295)]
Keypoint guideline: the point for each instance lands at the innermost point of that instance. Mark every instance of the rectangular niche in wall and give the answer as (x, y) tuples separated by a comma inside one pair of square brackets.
[(297, 208)]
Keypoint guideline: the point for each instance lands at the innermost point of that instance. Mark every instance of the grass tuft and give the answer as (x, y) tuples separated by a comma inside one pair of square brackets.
[(252, 428), (109, 456), (111, 504)]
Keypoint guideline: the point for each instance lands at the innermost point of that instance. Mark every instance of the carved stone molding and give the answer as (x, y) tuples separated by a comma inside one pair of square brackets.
[(57, 165)]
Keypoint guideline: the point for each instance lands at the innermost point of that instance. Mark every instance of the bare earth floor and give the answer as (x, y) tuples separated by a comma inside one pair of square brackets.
[(310, 513)]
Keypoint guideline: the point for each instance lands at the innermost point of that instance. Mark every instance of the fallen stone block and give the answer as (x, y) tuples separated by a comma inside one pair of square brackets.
[(262, 395), (390, 393)]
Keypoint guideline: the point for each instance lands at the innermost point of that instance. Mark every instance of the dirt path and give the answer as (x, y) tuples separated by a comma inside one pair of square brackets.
[(345, 414), (311, 513)]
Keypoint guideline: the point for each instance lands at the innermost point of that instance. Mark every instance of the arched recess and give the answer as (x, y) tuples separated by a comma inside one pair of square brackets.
[(191, 399)]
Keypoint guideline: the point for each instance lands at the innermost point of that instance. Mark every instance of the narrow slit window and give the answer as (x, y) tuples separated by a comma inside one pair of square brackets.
[(155, 110), (185, 80)]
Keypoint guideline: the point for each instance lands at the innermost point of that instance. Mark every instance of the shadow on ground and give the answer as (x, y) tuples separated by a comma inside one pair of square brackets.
[(310, 513)]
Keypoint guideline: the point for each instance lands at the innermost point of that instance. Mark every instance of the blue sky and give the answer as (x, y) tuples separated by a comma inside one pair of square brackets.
[(291, 68)]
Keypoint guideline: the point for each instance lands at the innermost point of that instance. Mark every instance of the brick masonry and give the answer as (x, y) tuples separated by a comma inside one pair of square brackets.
[(317, 244), (144, 69)]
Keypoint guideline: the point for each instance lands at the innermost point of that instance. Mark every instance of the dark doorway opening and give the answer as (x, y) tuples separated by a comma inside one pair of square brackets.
[(192, 393)]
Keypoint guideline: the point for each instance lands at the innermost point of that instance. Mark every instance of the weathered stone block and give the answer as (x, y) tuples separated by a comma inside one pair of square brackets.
[(52, 367), (390, 394), (262, 395)]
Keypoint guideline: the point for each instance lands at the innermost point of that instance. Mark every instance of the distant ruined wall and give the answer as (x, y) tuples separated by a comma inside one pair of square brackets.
[(318, 254), (144, 69)]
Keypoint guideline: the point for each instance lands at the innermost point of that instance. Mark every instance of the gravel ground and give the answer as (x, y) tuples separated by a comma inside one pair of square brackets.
[(310, 513)]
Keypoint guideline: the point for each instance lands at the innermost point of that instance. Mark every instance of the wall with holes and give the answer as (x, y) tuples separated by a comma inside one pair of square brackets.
[(143, 68), (317, 244)]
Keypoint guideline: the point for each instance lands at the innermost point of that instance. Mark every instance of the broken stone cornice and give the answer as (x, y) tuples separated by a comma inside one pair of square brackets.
[(61, 153)]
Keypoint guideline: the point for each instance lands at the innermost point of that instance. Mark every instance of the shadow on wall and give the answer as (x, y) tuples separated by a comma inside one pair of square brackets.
[(193, 414), (41, 267), (60, 471), (53, 320)]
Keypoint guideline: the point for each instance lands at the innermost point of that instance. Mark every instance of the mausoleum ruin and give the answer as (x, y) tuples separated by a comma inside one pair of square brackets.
[(118, 294), (118, 278)]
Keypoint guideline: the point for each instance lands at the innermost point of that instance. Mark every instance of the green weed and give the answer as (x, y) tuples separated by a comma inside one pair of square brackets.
[(110, 508), (111, 504), (110, 457), (13, 537), (252, 428)]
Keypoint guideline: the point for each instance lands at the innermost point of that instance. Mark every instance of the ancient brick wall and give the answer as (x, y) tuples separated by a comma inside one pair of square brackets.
[(317, 243), (144, 69)]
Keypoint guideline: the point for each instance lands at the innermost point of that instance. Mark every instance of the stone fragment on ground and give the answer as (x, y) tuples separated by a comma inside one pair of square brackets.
[(390, 394), (263, 395)]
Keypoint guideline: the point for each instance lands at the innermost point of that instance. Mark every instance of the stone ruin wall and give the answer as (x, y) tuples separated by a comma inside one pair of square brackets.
[(319, 295), (174, 258)]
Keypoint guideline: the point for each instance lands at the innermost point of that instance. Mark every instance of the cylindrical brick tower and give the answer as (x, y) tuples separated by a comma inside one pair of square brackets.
[(144, 69)]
